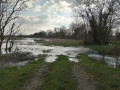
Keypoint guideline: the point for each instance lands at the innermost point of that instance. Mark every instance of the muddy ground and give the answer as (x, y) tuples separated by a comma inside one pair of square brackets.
[(15, 59), (18, 56)]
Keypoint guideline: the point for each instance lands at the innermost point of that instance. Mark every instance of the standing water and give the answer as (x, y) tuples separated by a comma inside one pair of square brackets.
[(109, 60), (35, 46)]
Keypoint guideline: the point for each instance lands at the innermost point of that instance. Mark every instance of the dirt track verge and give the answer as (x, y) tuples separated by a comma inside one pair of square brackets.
[(82, 79)]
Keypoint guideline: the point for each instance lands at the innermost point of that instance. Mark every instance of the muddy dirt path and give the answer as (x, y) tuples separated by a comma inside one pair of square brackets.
[(37, 80), (83, 81)]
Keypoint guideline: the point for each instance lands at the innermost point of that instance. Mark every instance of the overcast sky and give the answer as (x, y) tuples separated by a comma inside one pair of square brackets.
[(46, 14)]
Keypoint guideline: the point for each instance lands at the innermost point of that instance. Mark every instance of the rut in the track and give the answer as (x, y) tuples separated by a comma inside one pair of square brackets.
[(37, 80), (82, 79)]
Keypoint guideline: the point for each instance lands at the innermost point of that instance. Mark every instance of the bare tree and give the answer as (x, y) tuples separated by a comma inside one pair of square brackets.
[(12, 36), (9, 13), (78, 30), (117, 8)]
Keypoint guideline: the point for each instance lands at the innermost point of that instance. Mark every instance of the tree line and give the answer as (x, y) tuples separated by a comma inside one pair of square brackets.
[(59, 32)]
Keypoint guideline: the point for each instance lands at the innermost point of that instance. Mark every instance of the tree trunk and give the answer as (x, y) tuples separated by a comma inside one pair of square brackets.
[(6, 49), (85, 42), (0, 48)]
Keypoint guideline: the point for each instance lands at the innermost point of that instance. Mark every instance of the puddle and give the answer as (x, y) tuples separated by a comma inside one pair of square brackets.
[(18, 64), (110, 61), (73, 60), (51, 59)]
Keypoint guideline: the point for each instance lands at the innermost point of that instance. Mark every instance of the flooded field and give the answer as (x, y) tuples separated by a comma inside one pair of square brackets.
[(36, 47)]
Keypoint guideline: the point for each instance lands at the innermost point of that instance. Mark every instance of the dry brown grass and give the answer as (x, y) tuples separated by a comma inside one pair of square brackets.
[(64, 42)]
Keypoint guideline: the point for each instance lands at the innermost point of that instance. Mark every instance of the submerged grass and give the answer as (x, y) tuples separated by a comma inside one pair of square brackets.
[(12, 77), (106, 78), (60, 76)]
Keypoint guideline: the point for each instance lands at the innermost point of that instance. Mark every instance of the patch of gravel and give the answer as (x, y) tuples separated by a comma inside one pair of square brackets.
[(37, 80), (82, 79)]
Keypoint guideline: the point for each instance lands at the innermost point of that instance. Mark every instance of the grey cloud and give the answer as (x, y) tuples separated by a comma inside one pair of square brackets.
[(69, 1), (41, 19), (48, 17)]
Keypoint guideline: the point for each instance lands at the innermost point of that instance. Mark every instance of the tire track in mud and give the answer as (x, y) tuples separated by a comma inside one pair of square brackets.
[(83, 81), (37, 80)]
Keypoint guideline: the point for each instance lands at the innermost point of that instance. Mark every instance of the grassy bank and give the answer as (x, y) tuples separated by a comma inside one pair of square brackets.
[(107, 48), (12, 77), (97, 47), (60, 76), (107, 78)]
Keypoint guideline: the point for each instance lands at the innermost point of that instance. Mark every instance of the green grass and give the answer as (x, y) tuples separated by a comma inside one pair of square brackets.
[(60, 76), (114, 42), (107, 78), (107, 48), (63, 44), (97, 47), (12, 77)]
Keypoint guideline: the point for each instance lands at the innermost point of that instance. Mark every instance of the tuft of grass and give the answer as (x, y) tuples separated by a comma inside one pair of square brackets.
[(106, 78), (12, 77), (60, 76)]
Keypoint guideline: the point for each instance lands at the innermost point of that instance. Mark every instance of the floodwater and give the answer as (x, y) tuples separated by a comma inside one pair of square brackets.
[(109, 60), (18, 64), (35, 46)]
